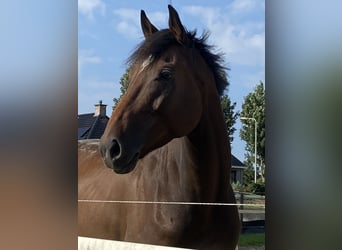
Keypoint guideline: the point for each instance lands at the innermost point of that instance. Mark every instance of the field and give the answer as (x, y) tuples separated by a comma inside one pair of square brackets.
[(252, 240), (253, 220)]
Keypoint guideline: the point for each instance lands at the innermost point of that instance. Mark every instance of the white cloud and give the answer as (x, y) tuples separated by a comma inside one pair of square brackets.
[(88, 34), (87, 7), (86, 57), (207, 15), (233, 29), (243, 42), (243, 5), (158, 18), (128, 21)]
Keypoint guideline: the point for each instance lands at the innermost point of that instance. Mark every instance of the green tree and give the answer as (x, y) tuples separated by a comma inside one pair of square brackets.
[(248, 175), (229, 115), (254, 107), (124, 80), (228, 107)]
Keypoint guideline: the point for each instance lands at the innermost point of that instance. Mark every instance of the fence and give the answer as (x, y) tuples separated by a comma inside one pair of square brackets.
[(249, 206), (250, 203), (252, 212), (85, 243)]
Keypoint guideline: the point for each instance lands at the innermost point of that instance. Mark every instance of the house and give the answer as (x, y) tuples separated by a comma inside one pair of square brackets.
[(236, 173), (92, 125)]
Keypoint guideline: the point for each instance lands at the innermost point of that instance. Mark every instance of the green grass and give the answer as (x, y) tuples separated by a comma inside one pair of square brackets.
[(252, 240)]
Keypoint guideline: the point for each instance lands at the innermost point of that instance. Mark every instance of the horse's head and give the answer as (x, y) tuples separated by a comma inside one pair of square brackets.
[(164, 97)]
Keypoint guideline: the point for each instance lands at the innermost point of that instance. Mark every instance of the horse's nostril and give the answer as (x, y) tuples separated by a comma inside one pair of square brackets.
[(115, 149)]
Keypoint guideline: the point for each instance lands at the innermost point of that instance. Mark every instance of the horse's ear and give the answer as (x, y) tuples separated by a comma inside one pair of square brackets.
[(147, 27), (176, 26)]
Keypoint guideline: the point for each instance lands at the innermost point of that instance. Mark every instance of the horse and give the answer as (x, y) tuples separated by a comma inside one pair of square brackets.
[(166, 141)]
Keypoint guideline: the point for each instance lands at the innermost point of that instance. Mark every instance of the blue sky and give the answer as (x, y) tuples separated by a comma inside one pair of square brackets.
[(108, 32)]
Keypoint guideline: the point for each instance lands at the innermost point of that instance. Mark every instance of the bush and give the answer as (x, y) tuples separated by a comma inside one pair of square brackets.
[(238, 187), (256, 188)]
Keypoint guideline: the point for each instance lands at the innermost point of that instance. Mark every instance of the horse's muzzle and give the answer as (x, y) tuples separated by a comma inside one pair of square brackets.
[(116, 158)]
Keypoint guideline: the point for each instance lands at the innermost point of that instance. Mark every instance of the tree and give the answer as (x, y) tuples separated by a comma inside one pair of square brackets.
[(124, 80), (248, 176), (254, 107), (229, 116), (228, 107)]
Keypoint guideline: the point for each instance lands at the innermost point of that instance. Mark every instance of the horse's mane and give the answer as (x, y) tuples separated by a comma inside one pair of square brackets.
[(159, 41)]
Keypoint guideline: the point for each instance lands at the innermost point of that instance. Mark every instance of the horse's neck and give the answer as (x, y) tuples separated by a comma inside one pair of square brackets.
[(171, 171), (192, 168), (211, 141)]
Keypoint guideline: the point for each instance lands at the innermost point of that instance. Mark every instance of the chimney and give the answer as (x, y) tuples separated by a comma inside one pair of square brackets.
[(100, 109)]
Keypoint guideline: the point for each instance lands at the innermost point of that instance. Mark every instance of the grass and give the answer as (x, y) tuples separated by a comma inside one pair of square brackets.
[(252, 240)]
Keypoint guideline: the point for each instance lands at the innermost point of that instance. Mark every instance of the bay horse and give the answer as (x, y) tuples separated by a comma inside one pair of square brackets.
[(166, 141)]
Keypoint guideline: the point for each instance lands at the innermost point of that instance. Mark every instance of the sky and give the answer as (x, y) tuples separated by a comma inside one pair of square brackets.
[(109, 31)]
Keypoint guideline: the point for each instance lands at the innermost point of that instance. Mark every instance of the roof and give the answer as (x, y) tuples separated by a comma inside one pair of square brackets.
[(236, 163), (90, 126)]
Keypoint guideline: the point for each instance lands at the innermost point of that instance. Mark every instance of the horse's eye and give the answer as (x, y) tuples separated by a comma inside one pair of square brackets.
[(165, 74)]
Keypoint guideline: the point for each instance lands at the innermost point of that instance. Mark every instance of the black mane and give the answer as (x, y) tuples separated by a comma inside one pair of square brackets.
[(158, 42)]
